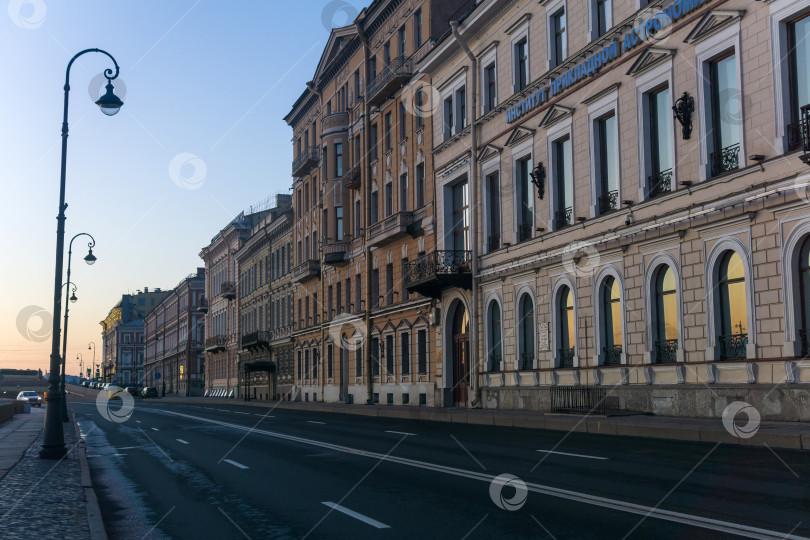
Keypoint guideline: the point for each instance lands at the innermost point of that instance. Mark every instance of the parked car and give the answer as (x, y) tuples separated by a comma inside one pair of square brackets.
[(31, 397), (86, 384), (134, 390), (149, 391)]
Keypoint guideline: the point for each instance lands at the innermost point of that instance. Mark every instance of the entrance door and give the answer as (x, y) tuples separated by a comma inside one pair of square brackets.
[(461, 356)]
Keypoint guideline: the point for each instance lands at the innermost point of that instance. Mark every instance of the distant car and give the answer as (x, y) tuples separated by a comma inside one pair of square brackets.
[(149, 391), (31, 397), (134, 390), (86, 384)]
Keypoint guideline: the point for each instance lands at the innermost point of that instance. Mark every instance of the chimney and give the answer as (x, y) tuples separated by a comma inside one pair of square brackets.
[(146, 290), (200, 270)]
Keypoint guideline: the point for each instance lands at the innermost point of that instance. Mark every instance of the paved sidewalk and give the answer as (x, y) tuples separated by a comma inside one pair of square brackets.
[(41, 498), (794, 435)]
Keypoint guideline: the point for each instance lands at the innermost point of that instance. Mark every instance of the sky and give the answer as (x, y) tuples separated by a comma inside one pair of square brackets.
[(201, 137)]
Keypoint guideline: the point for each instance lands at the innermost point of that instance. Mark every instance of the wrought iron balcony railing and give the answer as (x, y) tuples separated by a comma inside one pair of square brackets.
[(659, 183), (804, 339), (726, 160), (228, 289), (396, 72), (526, 361), (391, 228), (494, 362), (434, 271), (609, 202), (567, 357), (563, 218), (336, 253), (494, 242), (799, 133), (733, 346), (307, 270), (613, 355), (216, 343), (335, 121), (524, 232), (351, 178), (203, 305), (306, 160), (665, 351), (255, 340)]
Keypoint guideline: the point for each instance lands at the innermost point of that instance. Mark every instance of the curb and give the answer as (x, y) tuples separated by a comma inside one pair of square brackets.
[(94, 519), (593, 425)]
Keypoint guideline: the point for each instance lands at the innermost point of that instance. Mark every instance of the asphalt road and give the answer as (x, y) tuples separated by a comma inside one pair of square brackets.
[(225, 470)]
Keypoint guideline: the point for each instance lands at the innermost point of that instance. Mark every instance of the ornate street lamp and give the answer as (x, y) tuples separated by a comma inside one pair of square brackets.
[(53, 444), (89, 259), (684, 107)]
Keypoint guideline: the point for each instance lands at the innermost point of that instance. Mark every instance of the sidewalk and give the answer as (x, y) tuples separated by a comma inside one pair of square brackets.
[(795, 435), (44, 498)]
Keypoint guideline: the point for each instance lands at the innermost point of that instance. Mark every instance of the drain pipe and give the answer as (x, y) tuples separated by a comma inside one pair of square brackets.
[(476, 368), (366, 175)]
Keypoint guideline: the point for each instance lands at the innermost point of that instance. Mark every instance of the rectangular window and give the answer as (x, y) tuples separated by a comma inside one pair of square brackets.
[(494, 215), (357, 219), (389, 354), (339, 296), (389, 284), (387, 128), (461, 219), (357, 150), (348, 294), (329, 302), (373, 142), (404, 271), (402, 124), (419, 111), (659, 115), (306, 197), (448, 118), (421, 351), (420, 185), (521, 56), (300, 313), (417, 29), (461, 109), (316, 356), (563, 183), (375, 288), (389, 199), (356, 84), (798, 33), (607, 161), (401, 42), (338, 223), (387, 54), (372, 69), (403, 192), (405, 353), (306, 310), (490, 88), (375, 356), (329, 361), (725, 128), (357, 294), (602, 12), (558, 42), (358, 360), (525, 198), (338, 160)]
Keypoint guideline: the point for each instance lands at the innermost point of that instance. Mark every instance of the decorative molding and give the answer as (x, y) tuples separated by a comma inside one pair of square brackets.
[(601, 93), (517, 24), (712, 23), (597, 376), (576, 377), (680, 372), (650, 59), (649, 375), (790, 372), (751, 370), (711, 373), (488, 152), (554, 115), (518, 135), (625, 374)]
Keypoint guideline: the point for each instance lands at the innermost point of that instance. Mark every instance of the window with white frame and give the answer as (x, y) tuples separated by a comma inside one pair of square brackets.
[(403, 192), (604, 145), (494, 336), (526, 332), (492, 186), (556, 22), (563, 178), (519, 43), (657, 168), (525, 198), (600, 14), (489, 80)]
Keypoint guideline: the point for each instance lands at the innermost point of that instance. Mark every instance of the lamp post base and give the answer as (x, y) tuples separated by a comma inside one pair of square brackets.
[(53, 452)]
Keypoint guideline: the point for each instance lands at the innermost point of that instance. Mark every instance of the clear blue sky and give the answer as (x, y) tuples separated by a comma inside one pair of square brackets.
[(211, 78)]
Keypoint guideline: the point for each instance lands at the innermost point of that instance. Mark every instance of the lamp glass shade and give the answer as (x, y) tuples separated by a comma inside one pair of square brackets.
[(73, 298), (109, 103), (90, 258)]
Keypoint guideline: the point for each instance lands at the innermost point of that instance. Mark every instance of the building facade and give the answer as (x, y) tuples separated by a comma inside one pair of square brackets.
[(363, 200), (174, 330), (122, 337), (637, 199), (260, 368), (220, 305), (282, 292)]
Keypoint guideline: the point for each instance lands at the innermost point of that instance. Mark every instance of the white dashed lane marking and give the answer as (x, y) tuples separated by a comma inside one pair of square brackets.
[(365, 519), (181, 441), (235, 464)]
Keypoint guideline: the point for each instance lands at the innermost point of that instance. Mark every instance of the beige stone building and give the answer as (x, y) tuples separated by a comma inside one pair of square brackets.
[(633, 200), (363, 201)]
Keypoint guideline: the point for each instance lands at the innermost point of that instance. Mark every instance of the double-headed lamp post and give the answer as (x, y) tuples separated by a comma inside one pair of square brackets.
[(89, 259), (80, 359), (53, 444)]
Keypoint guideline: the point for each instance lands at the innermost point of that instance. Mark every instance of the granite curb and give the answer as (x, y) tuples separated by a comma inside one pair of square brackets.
[(94, 519)]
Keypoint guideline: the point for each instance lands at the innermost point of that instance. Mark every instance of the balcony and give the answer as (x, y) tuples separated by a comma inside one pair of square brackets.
[(525, 232), (526, 361), (431, 273), (215, 344), (726, 160), (799, 134), (389, 80), (255, 341), (202, 307), (665, 351), (613, 355), (659, 183), (494, 242), (564, 218), (608, 202), (391, 228), (335, 122), (351, 178), (566, 357), (336, 253), (306, 161), (308, 270), (228, 290), (733, 346)]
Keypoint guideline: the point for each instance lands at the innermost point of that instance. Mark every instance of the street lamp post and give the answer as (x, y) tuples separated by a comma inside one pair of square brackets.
[(93, 365), (80, 358), (53, 444), (89, 259)]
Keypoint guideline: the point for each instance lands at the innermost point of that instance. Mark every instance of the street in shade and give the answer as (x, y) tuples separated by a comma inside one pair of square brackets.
[(209, 469)]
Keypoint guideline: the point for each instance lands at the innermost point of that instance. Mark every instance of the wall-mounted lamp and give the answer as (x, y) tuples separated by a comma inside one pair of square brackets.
[(684, 107), (538, 175), (759, 158)]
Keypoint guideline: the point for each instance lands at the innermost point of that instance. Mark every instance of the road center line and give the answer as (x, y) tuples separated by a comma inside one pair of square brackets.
[(264, 415), (155, 429), (240, 412), (235, 464), (315, 422), (551, 491), (181, 441), (356, 515), (574, 455), (401, 433)]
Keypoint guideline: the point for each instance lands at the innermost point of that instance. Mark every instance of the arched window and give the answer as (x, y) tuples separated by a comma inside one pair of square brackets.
[(526, 333), (611, 322), (803, 269), (567, 349), (733, 312), (494, 337), (665, 315)]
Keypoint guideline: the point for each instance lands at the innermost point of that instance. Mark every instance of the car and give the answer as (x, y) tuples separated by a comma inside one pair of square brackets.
[(86, 384), (31, 397), (149, 391), (134, 390)]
